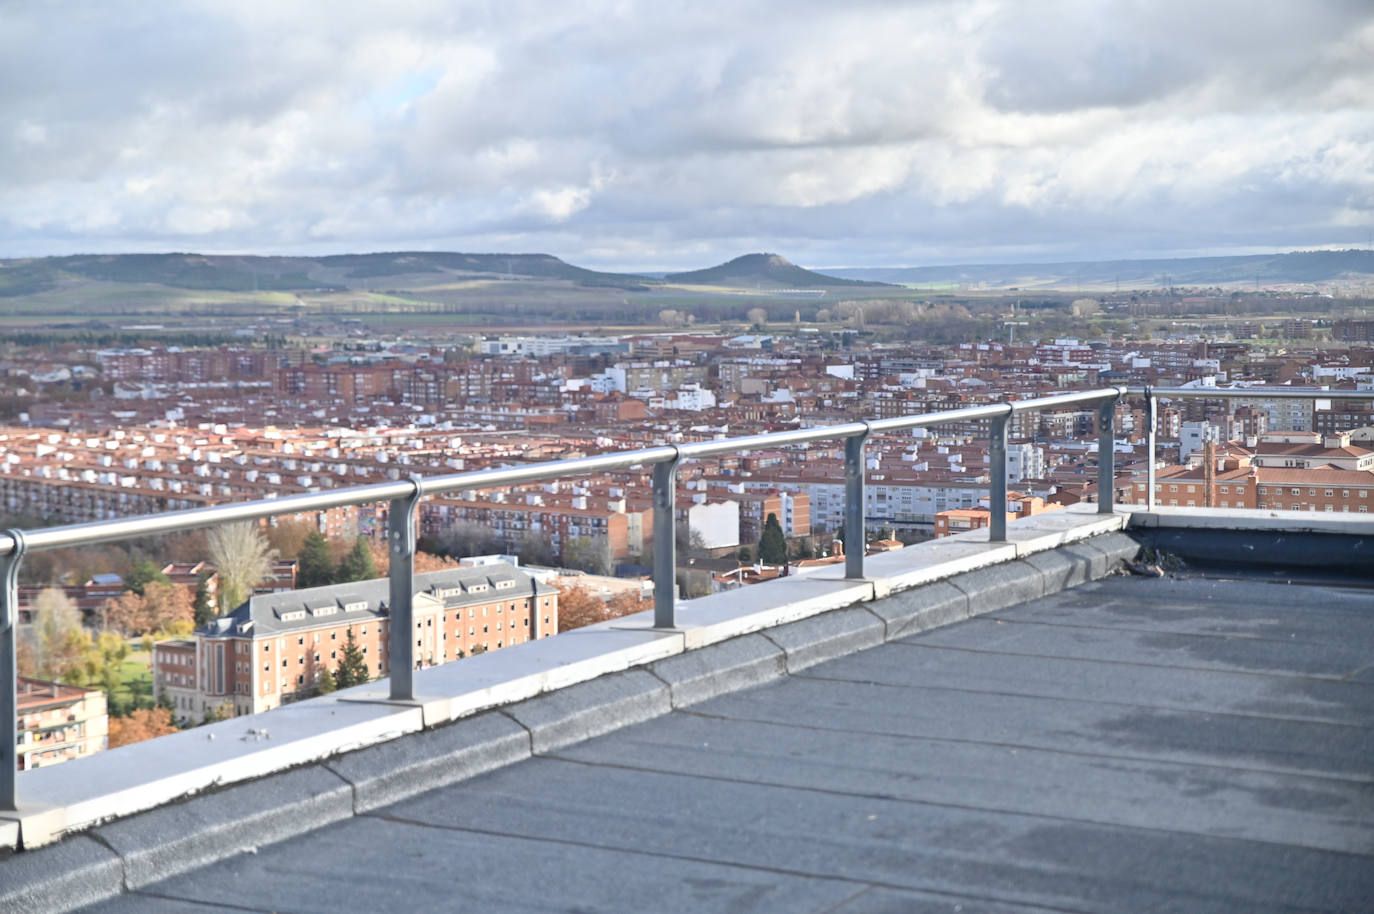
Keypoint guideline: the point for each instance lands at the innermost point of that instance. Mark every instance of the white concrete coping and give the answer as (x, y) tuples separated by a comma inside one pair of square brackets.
[(1296, 522), (66, 798), (522, 671)]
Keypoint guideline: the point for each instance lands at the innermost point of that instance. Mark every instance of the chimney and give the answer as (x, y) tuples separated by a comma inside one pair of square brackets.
[(1209, 473)]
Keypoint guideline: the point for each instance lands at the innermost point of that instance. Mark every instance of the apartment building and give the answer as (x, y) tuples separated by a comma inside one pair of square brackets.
[(275, 647), (792, 509), (58, 723), (624, 531)]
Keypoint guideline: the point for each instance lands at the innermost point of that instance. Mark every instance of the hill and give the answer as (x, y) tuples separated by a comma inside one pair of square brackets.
[(763, 271), (1262, 269), (336, 273)]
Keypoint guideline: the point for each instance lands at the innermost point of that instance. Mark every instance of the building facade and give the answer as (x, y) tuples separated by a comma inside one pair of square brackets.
[(58, 723), (275, 647)]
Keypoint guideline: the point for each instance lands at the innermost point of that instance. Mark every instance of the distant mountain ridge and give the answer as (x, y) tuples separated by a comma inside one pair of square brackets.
[(337, 272), (1293, 267), (772, 270)]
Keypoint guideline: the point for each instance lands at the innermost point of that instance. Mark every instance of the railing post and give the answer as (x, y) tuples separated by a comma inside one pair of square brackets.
[(1106, 454), (997, 477), (9, 671), (1151, 418), (400, 522), (665, 544), (854, 505)]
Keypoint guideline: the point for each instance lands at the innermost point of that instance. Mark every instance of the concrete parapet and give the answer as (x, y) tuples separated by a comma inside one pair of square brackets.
[(182, 836), (921, 609), (591, 708), (710, 671), (991, 589), (76, 872), (394, 771), (825, 637)]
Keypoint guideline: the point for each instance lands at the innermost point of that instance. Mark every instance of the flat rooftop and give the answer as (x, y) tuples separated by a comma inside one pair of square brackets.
[(1198, 742)]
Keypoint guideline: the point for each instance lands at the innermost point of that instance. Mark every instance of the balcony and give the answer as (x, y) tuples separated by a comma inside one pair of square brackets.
[(990, 720)]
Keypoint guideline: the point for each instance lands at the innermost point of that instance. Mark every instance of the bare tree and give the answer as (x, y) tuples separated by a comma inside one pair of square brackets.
[(243, 558), (589, 553), (57, 642), (467, 538), (757, 316)]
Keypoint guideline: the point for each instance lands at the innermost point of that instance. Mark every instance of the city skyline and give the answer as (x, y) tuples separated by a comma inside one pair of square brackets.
[(626, 138)]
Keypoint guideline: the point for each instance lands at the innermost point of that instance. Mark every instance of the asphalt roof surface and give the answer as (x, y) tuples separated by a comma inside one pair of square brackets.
[(1193, 744)]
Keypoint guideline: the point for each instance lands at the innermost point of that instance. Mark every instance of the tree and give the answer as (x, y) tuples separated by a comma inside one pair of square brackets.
[(534, 549), (467, 538), (243, 558), (203, 607), (589, 554), (578, 606), (357, 565), (352, 668), (744, 555), (690, 542), (143, 572), (757, 316), (288, 536), (316, 565), (126, 613), (58, 645), (165, 606), (144, 723), (772, 545)]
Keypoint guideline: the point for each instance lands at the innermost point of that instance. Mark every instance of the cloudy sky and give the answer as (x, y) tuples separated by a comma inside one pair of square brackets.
[(667, 134)]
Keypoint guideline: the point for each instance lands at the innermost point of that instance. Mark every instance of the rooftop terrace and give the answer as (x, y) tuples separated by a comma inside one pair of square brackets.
[(1028, 735), (943, 725)]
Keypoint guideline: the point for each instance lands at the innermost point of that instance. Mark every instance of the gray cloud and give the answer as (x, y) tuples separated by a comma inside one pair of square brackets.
[(626, 134)]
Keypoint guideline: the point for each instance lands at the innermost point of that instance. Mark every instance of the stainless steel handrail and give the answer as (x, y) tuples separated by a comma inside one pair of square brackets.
[(404, 495)]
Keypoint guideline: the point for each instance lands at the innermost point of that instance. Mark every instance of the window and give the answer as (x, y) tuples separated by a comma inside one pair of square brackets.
[(1345, 493), (1311, 493), (1173, 488), (1330, 492), (1295, 491), (1225, 490), (1262, 490), (301, 641)]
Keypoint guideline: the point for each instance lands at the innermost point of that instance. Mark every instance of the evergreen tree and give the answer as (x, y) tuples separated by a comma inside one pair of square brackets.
[(352, 665), (357, 565), (143, 573), (316, 566), (203, 609), (772, 545)]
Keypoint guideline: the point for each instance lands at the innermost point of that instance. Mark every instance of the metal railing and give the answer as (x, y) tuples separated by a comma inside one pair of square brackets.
[(404, 496), (1152, 396)]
